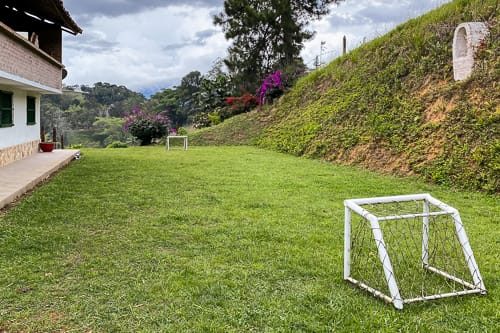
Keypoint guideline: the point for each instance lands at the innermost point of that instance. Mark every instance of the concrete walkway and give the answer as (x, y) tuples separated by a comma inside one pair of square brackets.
[(21, 176)]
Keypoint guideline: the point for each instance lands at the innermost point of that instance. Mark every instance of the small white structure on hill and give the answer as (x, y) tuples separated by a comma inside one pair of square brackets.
[(466, 40)]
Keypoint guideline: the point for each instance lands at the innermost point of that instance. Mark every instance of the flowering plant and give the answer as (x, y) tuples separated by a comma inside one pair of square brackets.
[(146, 126), (241, 104), (271, 82)]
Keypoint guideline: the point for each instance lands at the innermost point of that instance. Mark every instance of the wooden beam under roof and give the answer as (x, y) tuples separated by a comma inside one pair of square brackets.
[(46, 11)]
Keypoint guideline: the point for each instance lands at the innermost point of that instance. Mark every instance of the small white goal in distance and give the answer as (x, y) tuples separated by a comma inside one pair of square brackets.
[(408, 248)]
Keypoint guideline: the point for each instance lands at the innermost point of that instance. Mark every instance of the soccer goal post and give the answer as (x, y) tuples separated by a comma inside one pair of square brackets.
[(408, 248)]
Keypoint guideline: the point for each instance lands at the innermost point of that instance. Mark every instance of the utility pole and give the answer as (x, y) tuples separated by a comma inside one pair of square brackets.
[(321, 50), (344, 45)]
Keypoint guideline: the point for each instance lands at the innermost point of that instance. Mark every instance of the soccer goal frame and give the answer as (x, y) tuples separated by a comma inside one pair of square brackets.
[(427, 212)]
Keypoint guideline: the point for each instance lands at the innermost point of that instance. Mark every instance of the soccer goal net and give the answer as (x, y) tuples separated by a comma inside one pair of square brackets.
[(408, 248)]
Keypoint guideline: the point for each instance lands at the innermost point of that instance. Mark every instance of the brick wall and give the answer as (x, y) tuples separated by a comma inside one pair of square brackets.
[(18, 57)]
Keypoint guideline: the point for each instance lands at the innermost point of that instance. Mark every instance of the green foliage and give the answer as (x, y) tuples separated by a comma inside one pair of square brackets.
[(215, 239), (116, 100), (196, 97), (85, 138), (109, 130), (103, 132), (187, 92), (182, 131), (215, 86), (214, 118), (117, 144), (168, 100), (201, 120)]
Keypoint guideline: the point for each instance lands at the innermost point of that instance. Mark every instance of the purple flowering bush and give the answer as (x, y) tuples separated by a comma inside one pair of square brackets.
[(146, 126), (271, 87)]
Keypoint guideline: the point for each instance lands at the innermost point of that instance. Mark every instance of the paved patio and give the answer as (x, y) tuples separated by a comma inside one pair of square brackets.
[(19, 177)]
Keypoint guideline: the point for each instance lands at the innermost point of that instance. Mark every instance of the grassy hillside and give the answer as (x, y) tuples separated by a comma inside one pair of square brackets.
[(392, 105), (244, 129)]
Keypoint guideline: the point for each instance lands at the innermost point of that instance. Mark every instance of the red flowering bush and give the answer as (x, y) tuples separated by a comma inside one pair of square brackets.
[(241, 104)]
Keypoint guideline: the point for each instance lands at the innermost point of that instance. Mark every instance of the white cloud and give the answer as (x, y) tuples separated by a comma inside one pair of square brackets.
[(136, 49)]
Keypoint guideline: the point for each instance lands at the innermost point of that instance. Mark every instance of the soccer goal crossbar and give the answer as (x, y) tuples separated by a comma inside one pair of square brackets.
[(408, 248)]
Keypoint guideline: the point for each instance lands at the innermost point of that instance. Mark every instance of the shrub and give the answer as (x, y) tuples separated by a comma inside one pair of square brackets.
[(271, 87), (178, 131), (182, 131), (214, 118), (201, 120), (117, 144), (242, 104), (146, 126)]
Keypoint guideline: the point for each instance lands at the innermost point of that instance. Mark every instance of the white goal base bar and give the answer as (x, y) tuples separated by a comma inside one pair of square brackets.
[(431, 209)]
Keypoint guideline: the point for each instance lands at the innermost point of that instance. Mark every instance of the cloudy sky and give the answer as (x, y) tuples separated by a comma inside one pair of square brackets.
[(148, 45)]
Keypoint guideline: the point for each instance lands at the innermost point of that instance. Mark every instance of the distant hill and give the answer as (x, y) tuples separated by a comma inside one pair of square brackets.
[(393, 106)]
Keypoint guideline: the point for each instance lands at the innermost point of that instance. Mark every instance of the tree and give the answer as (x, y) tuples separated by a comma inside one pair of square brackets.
[(266, 34), (108, 130), (115, 101), (146, 126), (168, 100), (196, 94), (190, 85), (215, 87), (181, 101)]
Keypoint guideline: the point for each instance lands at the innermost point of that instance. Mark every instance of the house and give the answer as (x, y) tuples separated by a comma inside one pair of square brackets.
[(30, 66)]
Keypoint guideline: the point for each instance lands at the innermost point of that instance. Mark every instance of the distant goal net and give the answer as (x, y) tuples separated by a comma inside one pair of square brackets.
[(408, 248)]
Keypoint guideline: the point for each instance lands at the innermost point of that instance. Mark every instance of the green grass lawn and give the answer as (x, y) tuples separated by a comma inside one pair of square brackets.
[(214, 240)]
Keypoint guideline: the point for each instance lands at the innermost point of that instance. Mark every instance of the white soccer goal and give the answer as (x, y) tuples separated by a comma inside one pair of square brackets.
[(408, 248)]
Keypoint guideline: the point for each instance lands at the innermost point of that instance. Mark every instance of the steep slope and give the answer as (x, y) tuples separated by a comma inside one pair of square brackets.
[(392, 105), (243, 129)]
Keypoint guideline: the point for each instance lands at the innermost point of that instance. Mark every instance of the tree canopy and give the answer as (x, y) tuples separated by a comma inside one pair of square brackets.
[(266, 35)]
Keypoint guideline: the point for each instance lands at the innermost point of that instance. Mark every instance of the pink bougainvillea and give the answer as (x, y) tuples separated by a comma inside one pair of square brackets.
[(271, 81), (146, 126)]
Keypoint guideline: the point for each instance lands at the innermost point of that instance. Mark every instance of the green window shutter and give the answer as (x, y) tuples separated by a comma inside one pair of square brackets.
[(31, 110), (5, 109)]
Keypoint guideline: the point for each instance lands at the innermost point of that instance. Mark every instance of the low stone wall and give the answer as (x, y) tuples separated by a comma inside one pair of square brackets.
[(17, 152)]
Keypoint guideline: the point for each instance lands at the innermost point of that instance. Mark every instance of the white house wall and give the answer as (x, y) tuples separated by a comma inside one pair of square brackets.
[(20, 132), (20, 140)]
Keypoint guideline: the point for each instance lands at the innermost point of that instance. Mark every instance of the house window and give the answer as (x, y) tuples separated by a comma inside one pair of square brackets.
[(30, 110), (5, 109)]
